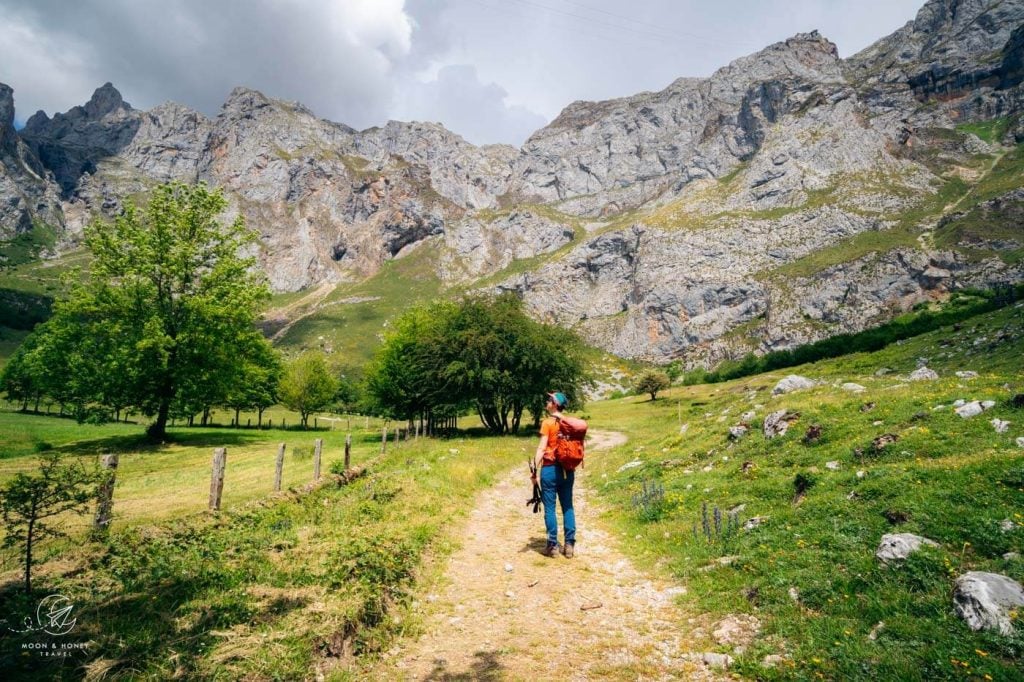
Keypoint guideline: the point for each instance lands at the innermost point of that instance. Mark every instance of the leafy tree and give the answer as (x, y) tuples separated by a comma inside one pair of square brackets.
[(257, 388), (481, 353), (167, 313), (651, 382), (308, 385), (28, 501), (20, 378), (674, 370)]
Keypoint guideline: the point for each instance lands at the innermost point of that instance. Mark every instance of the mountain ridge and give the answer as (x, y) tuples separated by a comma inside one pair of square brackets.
[(655, 224)]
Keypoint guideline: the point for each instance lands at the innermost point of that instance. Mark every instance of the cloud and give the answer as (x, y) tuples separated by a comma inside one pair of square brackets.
[(337, 58), (475, 110)]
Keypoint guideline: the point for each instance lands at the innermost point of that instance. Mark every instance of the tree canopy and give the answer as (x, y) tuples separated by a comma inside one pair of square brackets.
[(482, 354), (164, 320), (308, 385)]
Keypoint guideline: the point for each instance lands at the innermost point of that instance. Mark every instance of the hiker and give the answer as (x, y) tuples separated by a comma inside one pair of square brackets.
[(555, 480)]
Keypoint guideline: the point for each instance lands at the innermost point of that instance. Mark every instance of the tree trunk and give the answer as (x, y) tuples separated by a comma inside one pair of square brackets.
[(259, 417), (236, 418), (28, 555), (158, 429)]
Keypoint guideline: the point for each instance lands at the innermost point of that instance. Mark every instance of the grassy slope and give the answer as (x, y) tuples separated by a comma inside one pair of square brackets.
[(953, 480)]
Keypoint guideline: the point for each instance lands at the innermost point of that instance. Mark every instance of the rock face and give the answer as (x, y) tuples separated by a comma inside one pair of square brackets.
[(985, 600), (716, 217), (898, 546)]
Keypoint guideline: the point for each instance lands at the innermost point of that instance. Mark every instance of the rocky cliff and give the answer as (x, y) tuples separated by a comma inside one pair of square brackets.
[(791, 195)]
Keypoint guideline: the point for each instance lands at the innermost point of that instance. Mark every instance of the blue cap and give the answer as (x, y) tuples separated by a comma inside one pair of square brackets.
[(559, 398)]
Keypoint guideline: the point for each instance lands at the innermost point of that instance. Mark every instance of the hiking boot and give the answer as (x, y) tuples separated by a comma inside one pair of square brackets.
[(551, 549), (569, 550)]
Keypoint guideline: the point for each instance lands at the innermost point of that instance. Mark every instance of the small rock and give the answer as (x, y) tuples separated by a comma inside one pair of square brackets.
[(748, 416), (1000, 425), (850, 386), (793, 382), (879, 626), (923, 374), (882, 371), (1020, 441), (683, 428), (833, 465), (630, 465), (1010, 556), (738, 431), (706, 468), (967, 374), (713, 660), (880, 442), (510, 594), (898, 546), (771, 660), (971, 409), (777, 423), (852, 495), (867, 407), (751, 524), (985, 600), (736, 630), (877, 422), (794, 594), (1006, 525), (509, 568), (861, 474)]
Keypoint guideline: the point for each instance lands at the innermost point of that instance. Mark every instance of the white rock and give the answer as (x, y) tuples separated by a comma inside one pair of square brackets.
[(630, 465), (971, 409), (794, 594), (1006, 525), (833, 465), (882, 371), (1010, 556), (861, 474), (879, 626), (751, 524), (877, 422), (793, 382), (509, 568), (898, 546), (923, 374), (771, 660), (985, 600), (777, 423), (1020, 441), (683, 428), (988, 404), (1000, 425), (967, 374), (850, 386), (713, 660), (748, 416), (939, 407), (959, 402)]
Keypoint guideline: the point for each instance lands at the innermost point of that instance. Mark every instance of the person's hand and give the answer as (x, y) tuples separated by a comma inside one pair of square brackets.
[(533, 477)]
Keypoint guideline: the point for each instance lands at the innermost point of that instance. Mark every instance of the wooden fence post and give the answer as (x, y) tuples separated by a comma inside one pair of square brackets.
[(318, 446), (278, 469), (105, 495), (348, 451), (220, 456), (383, 439)]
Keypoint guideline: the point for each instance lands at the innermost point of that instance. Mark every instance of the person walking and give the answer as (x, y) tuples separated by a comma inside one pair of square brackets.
[(555, 481)]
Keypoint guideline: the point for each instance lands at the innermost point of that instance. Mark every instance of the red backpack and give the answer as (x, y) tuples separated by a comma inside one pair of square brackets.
[(569, 446)]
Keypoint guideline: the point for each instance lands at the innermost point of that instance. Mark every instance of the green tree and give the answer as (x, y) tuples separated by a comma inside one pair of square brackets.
[(257, 387), (308, 385), (481, 353), (169, 306), (674, 370), (651, 382), (28, 501)]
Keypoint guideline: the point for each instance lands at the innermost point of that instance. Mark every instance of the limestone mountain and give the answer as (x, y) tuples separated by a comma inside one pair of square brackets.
[(789, 196)]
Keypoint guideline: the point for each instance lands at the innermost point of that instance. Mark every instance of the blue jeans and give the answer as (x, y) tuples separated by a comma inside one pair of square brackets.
[(556, 481)]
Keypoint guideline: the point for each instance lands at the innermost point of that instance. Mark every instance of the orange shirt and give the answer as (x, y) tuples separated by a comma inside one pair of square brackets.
[(549, 428)]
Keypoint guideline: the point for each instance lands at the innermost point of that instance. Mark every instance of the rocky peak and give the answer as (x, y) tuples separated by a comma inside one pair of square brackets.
[(244, 100), (105, 100), (6, 114)]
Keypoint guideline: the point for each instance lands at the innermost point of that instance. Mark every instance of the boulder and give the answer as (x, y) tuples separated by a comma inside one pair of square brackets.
[(967, 374), (898, 546), (923, 374), (793, 382), (971, 409), (985, 600), (850, 386), (777, 423)]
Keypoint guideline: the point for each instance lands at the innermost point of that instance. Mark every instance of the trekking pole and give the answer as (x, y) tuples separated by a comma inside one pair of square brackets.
[(535, 500)]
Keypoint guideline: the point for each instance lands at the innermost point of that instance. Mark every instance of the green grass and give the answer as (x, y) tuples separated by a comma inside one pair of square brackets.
[(269, 590), (27, 246), (990, 131), (953, 480)]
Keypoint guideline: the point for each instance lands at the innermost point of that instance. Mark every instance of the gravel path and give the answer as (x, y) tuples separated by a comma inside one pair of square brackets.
[(503, 611)]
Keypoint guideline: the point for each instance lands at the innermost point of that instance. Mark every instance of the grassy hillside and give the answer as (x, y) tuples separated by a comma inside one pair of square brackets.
[(946, 478)]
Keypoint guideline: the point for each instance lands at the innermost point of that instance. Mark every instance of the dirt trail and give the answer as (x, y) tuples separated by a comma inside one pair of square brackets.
[(503, 611)]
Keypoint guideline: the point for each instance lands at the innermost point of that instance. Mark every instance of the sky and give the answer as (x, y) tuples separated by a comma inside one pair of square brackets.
[(492, 71)]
